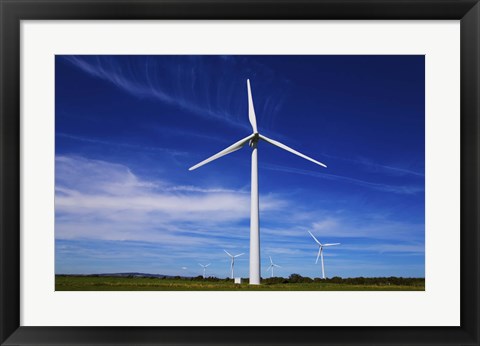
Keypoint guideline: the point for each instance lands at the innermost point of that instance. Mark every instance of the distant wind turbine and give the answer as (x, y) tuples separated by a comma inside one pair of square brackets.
[(272, 265), (253, 140), (232, 263), (320, 252), (204, 269)]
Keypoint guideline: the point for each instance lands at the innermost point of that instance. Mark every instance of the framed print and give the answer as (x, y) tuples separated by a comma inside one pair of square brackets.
[(236, 172)]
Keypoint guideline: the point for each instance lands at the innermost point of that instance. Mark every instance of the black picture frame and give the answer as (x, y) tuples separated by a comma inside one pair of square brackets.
[(13, 11)]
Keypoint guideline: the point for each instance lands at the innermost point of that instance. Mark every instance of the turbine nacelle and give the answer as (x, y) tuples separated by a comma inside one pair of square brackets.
[(254, 140)]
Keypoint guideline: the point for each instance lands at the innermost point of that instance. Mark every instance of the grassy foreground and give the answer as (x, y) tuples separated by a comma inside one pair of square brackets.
[(104, 283)]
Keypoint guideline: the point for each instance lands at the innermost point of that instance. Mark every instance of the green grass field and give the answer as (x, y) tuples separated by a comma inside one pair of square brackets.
[(89, 283)]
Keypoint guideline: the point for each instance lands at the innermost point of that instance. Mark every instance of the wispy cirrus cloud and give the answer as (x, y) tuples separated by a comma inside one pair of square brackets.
[(393, 170), (399, 189), (189, 86), (121, 144), (375, 167)]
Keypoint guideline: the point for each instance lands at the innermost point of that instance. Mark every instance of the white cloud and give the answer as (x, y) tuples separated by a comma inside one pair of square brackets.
[(370, 227), (325, 225), (101, 200)]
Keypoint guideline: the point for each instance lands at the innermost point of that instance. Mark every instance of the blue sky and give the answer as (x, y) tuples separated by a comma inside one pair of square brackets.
[(127, 128)]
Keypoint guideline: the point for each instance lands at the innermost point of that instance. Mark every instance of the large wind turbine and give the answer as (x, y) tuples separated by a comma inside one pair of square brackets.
[(320, 252), (204, 269), (232, 263), (253, 140), (272, 265)]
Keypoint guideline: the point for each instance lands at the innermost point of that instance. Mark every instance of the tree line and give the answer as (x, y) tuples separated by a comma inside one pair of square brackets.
[(297, 278), (293, 278)]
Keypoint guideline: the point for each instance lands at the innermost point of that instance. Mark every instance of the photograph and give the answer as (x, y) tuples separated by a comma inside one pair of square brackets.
[(239, 173)]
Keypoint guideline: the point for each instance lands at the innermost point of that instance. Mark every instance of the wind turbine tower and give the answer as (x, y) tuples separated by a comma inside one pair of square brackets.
[(204, 269), (232, 263), (320, 252), (272, 265), (253, 141)]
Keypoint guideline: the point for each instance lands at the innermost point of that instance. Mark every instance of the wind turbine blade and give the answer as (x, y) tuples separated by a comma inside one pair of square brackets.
[(319, 250), (284, 147), (234, 147), (276, 265), (271, 260), (316, 240), (207, 265), (239, 255), (331, 244), (227, 253), (201, 265), (251, 109)]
